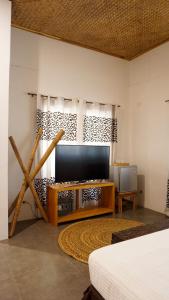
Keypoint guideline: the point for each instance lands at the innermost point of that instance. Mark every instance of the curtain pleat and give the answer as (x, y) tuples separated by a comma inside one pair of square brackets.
[(99, 128), (53, 115), (167, 200)]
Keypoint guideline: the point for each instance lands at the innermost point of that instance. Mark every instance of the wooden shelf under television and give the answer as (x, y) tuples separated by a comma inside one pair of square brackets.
[(107, 201), (84, 213)]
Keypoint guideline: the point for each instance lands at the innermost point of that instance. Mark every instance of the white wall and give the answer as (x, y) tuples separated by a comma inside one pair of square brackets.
[(149, 115), (47, 66), (5, 21), (51, 67)]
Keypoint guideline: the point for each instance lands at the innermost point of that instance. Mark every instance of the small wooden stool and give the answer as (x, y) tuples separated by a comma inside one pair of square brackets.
[(129, 196)]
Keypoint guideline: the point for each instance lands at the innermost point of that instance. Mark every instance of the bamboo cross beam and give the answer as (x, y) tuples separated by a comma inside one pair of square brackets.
[(27, 178), (47, 153), (31, 178), (31, 159)]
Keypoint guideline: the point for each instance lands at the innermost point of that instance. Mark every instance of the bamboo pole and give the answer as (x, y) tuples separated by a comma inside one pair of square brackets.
[(27, 178), (31, 159), (32, 176), (47, 153)]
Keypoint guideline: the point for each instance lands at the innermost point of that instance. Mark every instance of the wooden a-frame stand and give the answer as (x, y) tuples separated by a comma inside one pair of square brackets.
[(29, 177)]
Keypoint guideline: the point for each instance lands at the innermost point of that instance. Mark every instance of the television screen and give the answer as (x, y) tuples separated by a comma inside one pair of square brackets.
[(80, 163)]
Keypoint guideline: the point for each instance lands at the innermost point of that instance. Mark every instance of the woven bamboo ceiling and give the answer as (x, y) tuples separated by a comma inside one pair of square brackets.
[(123, 28)]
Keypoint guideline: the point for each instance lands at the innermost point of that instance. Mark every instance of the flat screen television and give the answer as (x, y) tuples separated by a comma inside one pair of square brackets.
[(81, 163)]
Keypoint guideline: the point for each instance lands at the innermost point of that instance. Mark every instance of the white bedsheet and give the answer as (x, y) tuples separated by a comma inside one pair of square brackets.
[(137, 269)]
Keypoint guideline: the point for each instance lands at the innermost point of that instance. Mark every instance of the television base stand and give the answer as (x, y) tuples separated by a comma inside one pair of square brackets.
[(107, 201)]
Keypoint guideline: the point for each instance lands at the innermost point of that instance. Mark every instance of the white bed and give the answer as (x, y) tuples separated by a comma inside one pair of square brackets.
[(137, 269)]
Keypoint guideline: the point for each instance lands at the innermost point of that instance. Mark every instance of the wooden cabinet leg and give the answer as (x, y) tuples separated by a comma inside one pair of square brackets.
[(53, 206), (120, 204), (108, 198), (77, 199), (113, 201), (134, 203)]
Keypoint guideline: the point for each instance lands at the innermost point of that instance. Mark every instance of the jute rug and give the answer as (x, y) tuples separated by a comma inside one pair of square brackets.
[(80, 239)]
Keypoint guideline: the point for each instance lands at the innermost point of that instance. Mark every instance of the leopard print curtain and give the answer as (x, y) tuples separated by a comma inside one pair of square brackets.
[(53, 115), (100, 124), (99, 128)]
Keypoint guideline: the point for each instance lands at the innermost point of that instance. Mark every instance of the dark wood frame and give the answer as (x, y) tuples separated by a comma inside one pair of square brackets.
[(91, 294)]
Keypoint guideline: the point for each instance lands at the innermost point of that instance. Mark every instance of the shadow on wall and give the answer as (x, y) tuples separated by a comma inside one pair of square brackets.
[(141, 190), (24, 77)]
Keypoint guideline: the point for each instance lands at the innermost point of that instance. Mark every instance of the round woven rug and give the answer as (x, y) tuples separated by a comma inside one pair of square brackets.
[(81, 238)]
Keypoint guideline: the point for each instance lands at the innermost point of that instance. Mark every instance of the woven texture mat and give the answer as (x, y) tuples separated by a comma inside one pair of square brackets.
[(124, 28), (80, 239)]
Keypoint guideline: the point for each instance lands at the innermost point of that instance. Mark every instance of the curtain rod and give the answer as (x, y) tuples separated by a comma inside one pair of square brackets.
[(68, 99)]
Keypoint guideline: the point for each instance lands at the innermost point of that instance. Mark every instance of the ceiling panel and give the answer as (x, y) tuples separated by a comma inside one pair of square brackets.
[(123, 28)]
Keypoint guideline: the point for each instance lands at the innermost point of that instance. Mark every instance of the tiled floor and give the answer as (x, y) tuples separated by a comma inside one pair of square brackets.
[(32, 266)]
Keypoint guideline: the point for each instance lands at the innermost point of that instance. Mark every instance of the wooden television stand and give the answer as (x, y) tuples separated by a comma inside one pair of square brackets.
[(107, 201)]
